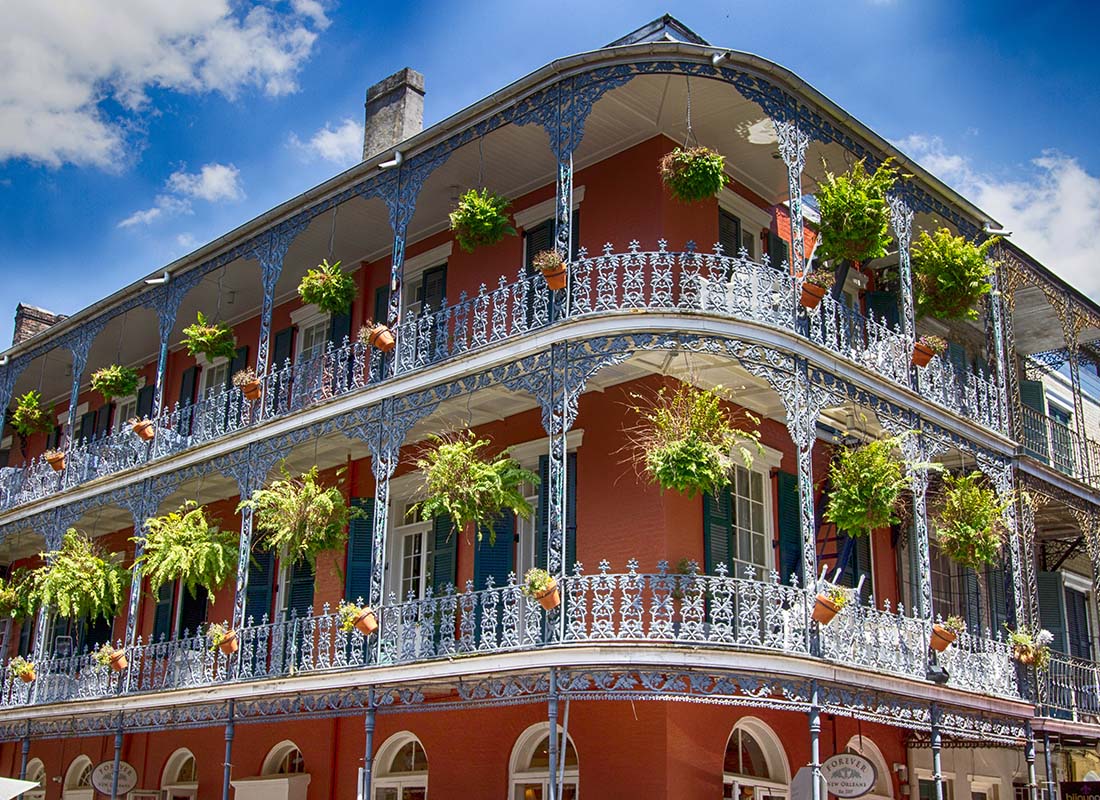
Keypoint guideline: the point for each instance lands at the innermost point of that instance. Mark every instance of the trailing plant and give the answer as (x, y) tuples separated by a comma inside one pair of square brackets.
[(1031, 646), (115, 381), (936, 344), (80, 580), (823, 278), (349, 614), (103, 654), (548, 261), (537, 582), (838, 596), (29, 415), (955, 624), (970, 528), (462, 483), (244, 377), (183, 545), (855, 218), (217, 633), (17, 595), (693, 173), (951, 274), (299, 516), (865, 483), (19, 667), (328, 287), (686, 441), (481, 218), (211, 339)]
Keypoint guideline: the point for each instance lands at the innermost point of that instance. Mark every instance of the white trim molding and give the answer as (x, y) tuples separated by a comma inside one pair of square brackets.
[(540, 212)]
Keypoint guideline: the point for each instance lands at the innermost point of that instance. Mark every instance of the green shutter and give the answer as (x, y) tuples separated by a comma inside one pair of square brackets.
[(193, 610), (790, 527), (777, 250), (956, 354), (257, 603), (444, 556), (883, 305), (299, 589), (87, 427), (496, 559), (1077, 619), (103, 420), (1052, 608), (543, 530), (536, 240), (972, 601), (145, 401), (239, 362), (995, 578), (360, 559), (718, 531), (340, 328), (729, 233), (1033, 396), (162, 617), (282, 348)]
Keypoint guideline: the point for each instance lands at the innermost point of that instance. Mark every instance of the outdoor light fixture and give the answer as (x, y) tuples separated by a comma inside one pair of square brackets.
[(158, 281), (4, 361), (398, 157), (988, 228), (718, 58), (937, 674)]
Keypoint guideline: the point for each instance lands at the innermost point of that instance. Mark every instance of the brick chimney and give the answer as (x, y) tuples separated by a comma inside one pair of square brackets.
[(395, 111), (31, 321)]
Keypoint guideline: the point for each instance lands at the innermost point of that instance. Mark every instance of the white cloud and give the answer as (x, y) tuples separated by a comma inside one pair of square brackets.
[(1052, 206), (77, 74), (341, 145), (187, 241), (212, 183)]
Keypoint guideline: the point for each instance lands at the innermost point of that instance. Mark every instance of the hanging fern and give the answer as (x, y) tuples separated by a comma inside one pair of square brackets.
[(299, 517), (17, 596), (866, 482), (951, 275), (468, 487), (79, 580), (694, 173), (29, 415), (211, 339), (970, 527), (328, 287), (855, 218), (115, 381), (481, 219), (182, 545)]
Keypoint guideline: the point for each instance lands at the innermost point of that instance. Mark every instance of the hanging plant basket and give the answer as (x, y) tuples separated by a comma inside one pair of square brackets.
[(115, 381), (926, 348), (80, 580), (950, 275), (855, 217), (866, 482), (184, 546), (481, 219), (970, 528), (540, 585), (379, 336), (1031, 647), (213, 340), (360, 618), (249, 383), (29, 415), (56, 459), (17, 596), (552, 267), (328, 287), (144, 429), (815, 287), (693, 174)]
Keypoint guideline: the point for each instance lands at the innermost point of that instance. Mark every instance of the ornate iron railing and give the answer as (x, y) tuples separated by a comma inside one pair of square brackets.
[(631, 608), (635, 280), (1070, 689), (1055, 443)]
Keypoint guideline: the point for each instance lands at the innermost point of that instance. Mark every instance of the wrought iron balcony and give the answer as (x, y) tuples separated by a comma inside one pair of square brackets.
[(734, 288), (1055, 443), (715, 612), (1070, 689)]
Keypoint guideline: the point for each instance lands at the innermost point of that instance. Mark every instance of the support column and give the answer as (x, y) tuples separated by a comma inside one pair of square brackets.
[(79, 347), (368, 750), (901, 220), (1052, 785), (552, 707), (937, 744), (803, 404), (1029, 756), (227, 767), (247, 481), (915, 451), (166, 321), (53, 542), (118, 760), (25, 752), (270, 251), (1000, 472), (1000, 358), (792, 149), (385, 447), (815, 743)]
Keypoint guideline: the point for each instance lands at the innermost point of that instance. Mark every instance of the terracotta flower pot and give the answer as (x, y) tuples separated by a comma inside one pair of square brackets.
[(922, 354), (549, 598), (382, 338), (28, 676), (824, 610), (119, 662), (555, 278), (812, 294), (251, 390), (366, 623), (57, 461), (144, 429), (942, 638), (229, 643), (1024, 654)]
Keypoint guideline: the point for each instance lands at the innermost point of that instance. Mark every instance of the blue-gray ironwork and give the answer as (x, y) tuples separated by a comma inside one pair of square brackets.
[(118, 759), (1029, 757), (815, 742), (227, 765), (792, 144), (79, 343), (1001, 474), (901, 220), (937, 772), (270, 251), (368, 750)]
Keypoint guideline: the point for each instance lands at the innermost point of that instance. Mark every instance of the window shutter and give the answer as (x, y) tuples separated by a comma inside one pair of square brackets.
[(360, 551), (972, 601), (189, 381), (1033, 396), (96, 631), (299, 589), (729, 233), (239, 362), (87, 427), (193, 610), (103, 420), (496, 559), (145, 402), (1052, 611), (162, 617), (340, 328), (790, 528), (883, 305), (535, 241), (543, 511), (576, 243), (956, 354), (382, 303), (433, 287), (1077, 619), (718, 530), (282, 348), (258, 594), (777, 250), (25, 638), (444, 566), (995, 577)]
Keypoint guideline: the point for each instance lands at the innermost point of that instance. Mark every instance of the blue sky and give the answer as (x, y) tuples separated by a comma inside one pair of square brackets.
[(135, 130)]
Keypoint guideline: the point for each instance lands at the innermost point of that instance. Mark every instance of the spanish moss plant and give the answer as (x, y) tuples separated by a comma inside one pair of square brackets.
[(694, 173), (481, 219), (80, 580), (328, 287), (183, 545), (855, 218), (115, 381), (951, 275)]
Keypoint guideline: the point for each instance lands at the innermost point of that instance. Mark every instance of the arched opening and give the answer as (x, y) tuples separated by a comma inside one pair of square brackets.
[(283, 776), (180, 778), (402, 769), (284, 759), (884, 786), (755, 766), (36, 773), (529, 772), (78, 780)]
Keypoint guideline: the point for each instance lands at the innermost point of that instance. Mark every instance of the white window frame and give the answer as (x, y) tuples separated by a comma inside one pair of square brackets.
[(538, 213), (124, 404), (523, 749), (748, 214), (922, 773), (210, 368), (73, 774), (992, 787), (774, 754), (305, 319), (34, 766), (414, 269), (399, 529), (401, 780), (169, 783)]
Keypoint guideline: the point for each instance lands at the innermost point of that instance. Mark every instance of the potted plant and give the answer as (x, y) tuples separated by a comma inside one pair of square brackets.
[(481, 218), (80, 580), (184, 546), (829, 603), (855, 217), (55, 458), (211, 339), (865, 483), (115, 381), (685, 440), (377, 335), (22, 669), (361, 618), (328, 287), (222, 638), (108, 656), (470, 488), (926, 347), (1031, 647), (17, 596), (144, 428), (247, 381), (693, 173), (540, 585), (30, 417), (950, 274), (299, 517), (816, 286), (944, 633), (552, 267)]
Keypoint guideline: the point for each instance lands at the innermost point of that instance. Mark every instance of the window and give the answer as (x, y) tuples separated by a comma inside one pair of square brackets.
[(729, 233), (180, 780), (927, 789), (125, 409), (284, 759), (402, 771), (1077, 623), (313, 338), (738, 524), (755, 766), (78, 780), (530, 766), (36, 773), (955, 590), (411, 552), (215, 377)]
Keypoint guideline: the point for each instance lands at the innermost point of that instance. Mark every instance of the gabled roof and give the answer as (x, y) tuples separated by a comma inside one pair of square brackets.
[(662, 29)]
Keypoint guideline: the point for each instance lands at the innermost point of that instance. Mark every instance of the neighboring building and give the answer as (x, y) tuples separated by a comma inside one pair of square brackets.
[(656, 683)]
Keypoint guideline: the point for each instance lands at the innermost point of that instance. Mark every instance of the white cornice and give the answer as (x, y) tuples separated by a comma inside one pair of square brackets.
[(540, 212)]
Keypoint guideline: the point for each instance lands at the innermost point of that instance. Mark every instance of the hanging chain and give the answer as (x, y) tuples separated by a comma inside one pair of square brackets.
[(480, 163), (332, 232), (689, 134)]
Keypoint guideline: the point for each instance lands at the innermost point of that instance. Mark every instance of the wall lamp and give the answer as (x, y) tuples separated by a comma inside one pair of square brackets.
[(4, 361), (398, 157), (158, 281), (718, 58), (990, 230)]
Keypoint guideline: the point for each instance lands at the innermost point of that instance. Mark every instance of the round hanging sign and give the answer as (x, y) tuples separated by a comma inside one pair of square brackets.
[(849, 775), (102, 778)]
